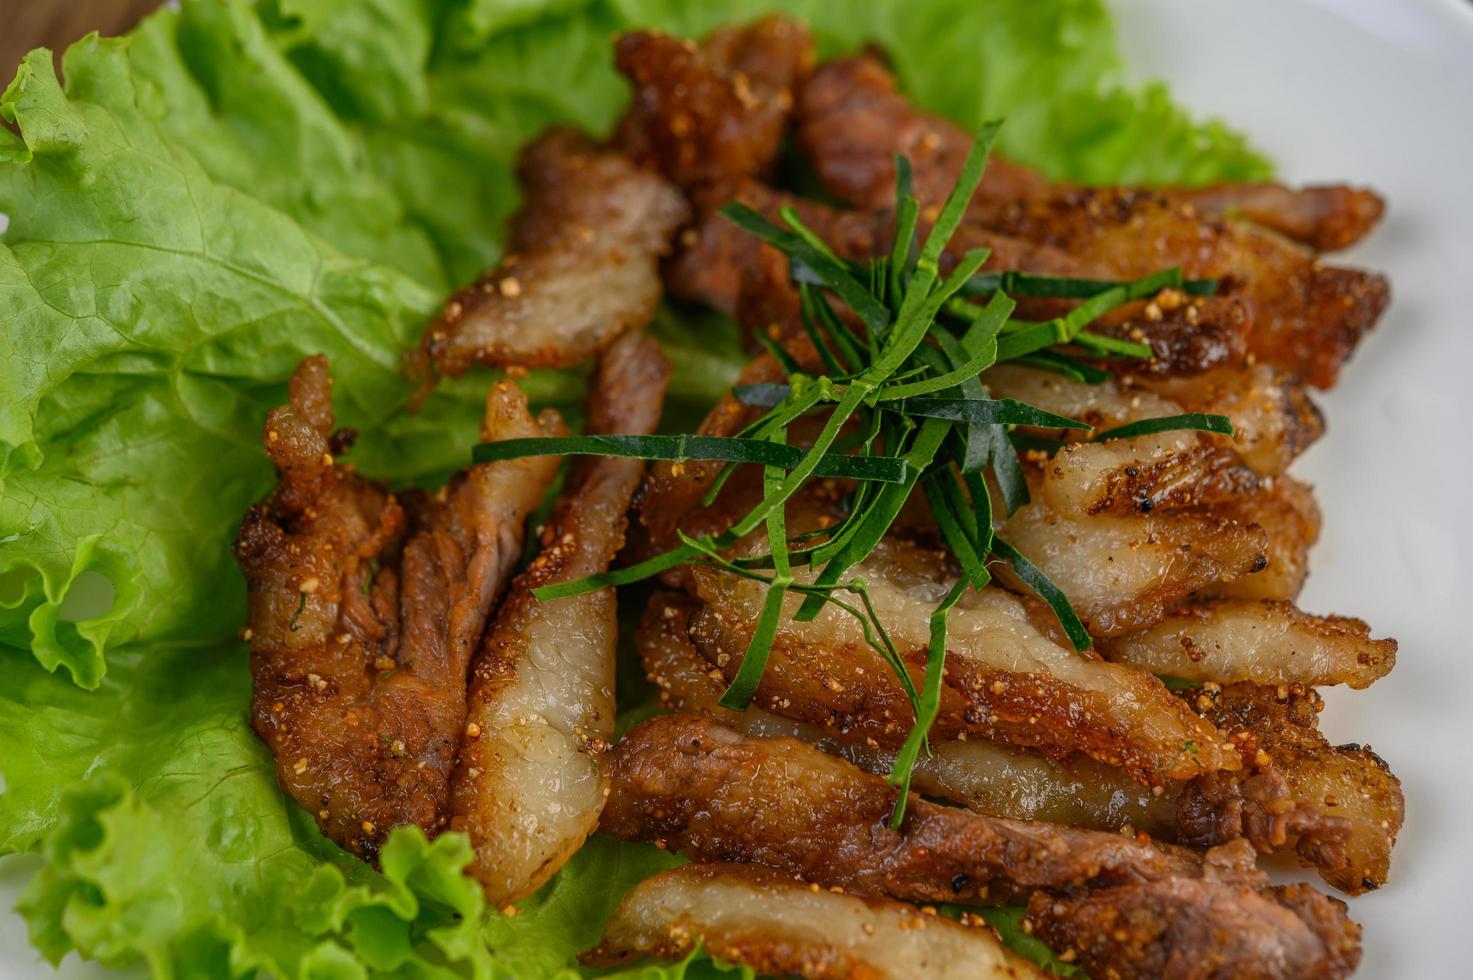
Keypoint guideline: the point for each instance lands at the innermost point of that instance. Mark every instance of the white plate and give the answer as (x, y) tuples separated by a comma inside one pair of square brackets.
[(1377, 92), (1380, 93)]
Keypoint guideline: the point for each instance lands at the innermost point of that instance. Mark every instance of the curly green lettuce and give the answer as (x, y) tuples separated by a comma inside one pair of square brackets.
[(236, 185)]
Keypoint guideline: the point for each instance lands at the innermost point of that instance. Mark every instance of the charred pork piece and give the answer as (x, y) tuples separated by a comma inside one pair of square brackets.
[(702, 789), (581, 265), (776, 925), (716, 112), (853, 121), (1307, 317), (531, 779), (364, 609)]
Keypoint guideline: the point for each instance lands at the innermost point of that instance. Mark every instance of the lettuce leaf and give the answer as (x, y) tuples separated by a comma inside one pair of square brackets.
[(234, 186), (171, 842)]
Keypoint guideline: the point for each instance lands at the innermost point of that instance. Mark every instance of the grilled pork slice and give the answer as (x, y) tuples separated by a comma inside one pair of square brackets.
[(714, 253), (775, 925), (530, 783), (581, 266), (730, 270), (1346, 782), (1306, 317), (713, 794), (1273, 421), (1200, 928), (709, 792), (1289, 516), (1263, 642), (365, 608), (714, 112), (853, 122), (1326, 217), (984, 776), (1005, 679), (1123, 574), (1257, 804)]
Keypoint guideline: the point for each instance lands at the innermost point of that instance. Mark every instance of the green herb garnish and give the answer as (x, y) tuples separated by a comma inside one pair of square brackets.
[(910, 385), (301, 606), (885, 469), (1197, 421)]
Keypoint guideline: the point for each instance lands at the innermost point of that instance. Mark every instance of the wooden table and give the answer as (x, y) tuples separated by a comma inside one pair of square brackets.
[(27, 24)]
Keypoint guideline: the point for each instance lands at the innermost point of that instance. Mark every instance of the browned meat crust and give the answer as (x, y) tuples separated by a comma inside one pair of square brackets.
[(1188, 335), (582, 265), (1263, 642), (1289, 516), (1349, 784), (531, 781), (365, 608), (1197, 928), (1257, 804), (714, 253), (705, 790), (852, 122), (715, 112), (698, 787), (743, 913), (773, 53), (1327, 218), (1306, 317), (1006, 679), (1123, 574)]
